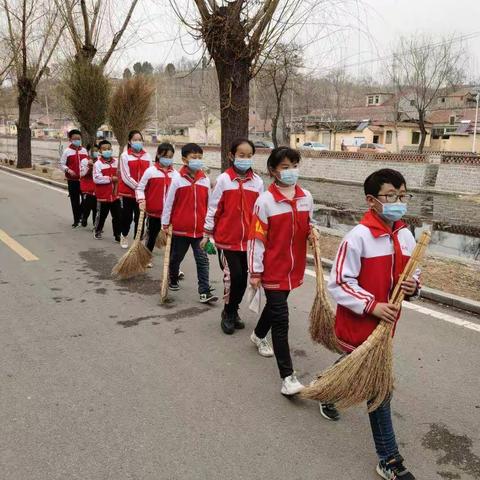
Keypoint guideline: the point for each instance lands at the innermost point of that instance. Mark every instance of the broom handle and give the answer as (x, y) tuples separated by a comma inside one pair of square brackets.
[(141, 218), (318, 259), (417, 255)]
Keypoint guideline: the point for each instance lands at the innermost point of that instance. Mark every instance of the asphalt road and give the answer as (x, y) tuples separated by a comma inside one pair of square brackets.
[(100, 382)]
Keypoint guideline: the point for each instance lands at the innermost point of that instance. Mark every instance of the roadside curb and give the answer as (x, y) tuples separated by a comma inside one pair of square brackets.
[(37, 178), (427, 293)]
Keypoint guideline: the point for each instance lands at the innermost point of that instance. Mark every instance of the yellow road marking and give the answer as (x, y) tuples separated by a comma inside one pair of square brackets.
[(27, 255)]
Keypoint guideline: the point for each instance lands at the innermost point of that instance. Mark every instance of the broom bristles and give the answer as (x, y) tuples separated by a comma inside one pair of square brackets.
[(322, 315)]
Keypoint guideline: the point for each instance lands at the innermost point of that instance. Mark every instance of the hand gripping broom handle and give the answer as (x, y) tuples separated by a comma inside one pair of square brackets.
[(417, 255)]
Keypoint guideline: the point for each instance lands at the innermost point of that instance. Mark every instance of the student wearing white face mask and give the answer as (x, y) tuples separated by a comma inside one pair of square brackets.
[(277, 251), (229, 215)]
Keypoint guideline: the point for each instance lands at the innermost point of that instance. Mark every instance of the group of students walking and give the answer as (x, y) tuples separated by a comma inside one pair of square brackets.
[(261, 236)]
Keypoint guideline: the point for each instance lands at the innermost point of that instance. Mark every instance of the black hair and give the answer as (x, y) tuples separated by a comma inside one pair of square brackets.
[(373, 183), (132, 133), (104, 142), (90, 146), (73, 132), (162, 149), (240, 141), (191, 148), (278, 154)]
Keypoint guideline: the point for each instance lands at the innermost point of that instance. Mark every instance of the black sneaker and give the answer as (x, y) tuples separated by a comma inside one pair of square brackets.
[(394, 469), (239, 325), (228, 322), (181, 275), (97, 235), (329, 411), (174, 287), (74, 225), (84, 223), (208, 297)]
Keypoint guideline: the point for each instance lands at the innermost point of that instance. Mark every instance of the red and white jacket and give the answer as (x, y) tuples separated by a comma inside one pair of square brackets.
[(186, 204), (103, 172), (230, 209), (277, 249), (132, 167), (87, 185), (369, 262), (153, 188), (71, 159)]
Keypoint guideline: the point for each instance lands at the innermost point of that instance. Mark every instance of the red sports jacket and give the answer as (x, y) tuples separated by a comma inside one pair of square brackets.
[(87, 185), (132, 167), (369, 261), (277, 249), (153, 188), (103, 172), (186, 204), (230, 209), (70, 159)]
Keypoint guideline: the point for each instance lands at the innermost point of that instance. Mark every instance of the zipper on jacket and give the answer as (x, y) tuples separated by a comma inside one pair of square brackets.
[(194, 209)]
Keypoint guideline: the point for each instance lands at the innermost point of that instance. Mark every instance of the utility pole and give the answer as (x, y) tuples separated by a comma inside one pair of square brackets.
[(46, 107), (474, 148)]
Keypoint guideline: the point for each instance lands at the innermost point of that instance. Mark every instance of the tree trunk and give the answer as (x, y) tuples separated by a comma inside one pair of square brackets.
[(423, 132), (233, 82), (26, 96), (274, 131)]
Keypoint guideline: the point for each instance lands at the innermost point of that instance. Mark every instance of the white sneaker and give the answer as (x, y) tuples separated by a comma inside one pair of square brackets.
[(264, 348), (124, 242), (291, 386), (150, 265)]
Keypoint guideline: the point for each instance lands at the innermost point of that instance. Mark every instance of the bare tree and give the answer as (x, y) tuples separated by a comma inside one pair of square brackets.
[(237, 35), (34, 28), (130, 106), (279, 71), (423, 68)]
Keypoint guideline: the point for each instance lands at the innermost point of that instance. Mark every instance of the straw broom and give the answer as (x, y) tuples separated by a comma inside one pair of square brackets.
[(137, 257), (322, 315), (166, 265), (366, 375)]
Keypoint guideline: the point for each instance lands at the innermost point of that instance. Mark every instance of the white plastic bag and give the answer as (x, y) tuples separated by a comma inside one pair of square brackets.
[(254, 296)]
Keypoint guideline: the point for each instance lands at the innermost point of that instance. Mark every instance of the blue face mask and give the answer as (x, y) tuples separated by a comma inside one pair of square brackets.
[(195, 164), (243, 164), (77, 143), (107, 154), (393, 211), (165, 162), (290, 176), (137, 146), (94, 154)]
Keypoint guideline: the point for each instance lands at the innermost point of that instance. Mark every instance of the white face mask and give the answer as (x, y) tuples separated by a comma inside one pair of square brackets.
[(290, 176)]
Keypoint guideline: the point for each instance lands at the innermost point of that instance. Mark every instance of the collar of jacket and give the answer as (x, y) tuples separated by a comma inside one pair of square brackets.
[(235, 176), (198, 175), (73, 147), (163, 169), (279, 197), (139, 154), (378, 227)]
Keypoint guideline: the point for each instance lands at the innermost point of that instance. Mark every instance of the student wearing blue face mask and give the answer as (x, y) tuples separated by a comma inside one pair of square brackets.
[(229, 215), (152, 190), (368, 264)]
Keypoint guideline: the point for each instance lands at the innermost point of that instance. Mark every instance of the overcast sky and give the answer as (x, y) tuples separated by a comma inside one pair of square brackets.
[(369, 32)]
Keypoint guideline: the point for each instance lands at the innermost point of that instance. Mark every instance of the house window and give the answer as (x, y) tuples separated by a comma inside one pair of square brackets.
[(388, 137), (452, 120), (415, 138), (370, 100), (412, 103)]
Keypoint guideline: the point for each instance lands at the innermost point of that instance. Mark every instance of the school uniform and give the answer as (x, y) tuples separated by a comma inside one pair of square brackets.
[(277, 252), (230, 211), (70, 160), (132, 167), (153, 188), (107, 194), (87, 187), (367, 267), (185, 209)]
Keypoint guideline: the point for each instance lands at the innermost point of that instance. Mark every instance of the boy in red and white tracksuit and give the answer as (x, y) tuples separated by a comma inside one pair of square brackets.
[(228, 220), (367, 267), (277, 253), (152, 190), (70, 165), (133, 163), (185, 209), (105, 171), (87, 186)]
